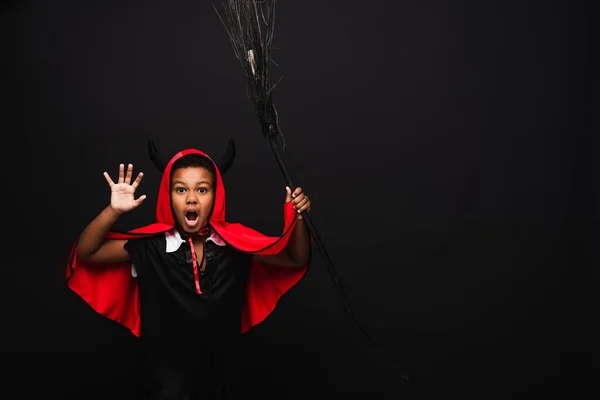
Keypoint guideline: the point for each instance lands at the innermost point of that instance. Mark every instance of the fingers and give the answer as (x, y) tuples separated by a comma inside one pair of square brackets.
[(129, 173), (110, 181), (121, 173), (302, 204), (137, 181), (300, 201), (125, 177), (140, 200), (297, 192), (289, 195)]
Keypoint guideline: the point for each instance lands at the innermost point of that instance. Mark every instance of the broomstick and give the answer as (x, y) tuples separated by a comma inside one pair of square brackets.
[(250, 25)]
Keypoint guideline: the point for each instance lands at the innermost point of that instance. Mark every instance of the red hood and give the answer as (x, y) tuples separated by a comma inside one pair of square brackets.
[(164, 212)]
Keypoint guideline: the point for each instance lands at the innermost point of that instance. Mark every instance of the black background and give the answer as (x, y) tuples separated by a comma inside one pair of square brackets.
[(444, 146)]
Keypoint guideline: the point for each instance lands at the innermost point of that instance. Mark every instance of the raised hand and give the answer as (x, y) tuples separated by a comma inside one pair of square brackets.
[(300, 200), (122, 193)]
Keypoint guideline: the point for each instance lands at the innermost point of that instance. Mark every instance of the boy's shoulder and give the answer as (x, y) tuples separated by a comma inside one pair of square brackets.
[(142, 241)]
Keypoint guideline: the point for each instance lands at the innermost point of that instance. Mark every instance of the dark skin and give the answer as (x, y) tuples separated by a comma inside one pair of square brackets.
[(192, 190)]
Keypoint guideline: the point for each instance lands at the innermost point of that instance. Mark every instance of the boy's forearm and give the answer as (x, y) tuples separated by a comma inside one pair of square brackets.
[(93, 235), (299, 243)]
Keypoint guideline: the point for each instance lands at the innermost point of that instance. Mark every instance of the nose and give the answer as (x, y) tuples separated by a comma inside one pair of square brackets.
[(191, 199)]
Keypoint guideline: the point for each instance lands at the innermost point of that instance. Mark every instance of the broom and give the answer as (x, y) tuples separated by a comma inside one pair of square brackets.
[(250, 25)]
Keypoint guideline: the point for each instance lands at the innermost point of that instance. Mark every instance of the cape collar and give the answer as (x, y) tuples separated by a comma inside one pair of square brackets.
[(174, 240)]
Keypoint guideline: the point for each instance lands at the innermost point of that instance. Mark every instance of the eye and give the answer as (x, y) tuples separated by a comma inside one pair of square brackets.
[(180, 190), (202, 190)]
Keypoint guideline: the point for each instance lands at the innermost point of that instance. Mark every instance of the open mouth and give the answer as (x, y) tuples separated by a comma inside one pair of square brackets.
[(191, 218)]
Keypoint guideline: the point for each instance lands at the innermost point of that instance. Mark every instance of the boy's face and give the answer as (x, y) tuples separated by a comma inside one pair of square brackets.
[(192, 195)]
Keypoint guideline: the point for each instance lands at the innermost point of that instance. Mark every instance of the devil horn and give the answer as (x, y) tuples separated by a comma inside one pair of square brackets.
[(156, 157), (227, 159)]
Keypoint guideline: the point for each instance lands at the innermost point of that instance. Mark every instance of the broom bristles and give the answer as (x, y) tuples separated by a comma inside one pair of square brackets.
[(250, 26)]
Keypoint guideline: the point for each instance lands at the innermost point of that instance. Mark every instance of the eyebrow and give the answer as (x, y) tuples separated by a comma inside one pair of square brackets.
[(183, 183)]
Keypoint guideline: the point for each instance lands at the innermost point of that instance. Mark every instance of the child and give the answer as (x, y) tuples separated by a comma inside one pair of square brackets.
[(189, 284)]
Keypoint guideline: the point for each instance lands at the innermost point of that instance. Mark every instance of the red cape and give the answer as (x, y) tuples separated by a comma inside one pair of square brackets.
[(112, 291)]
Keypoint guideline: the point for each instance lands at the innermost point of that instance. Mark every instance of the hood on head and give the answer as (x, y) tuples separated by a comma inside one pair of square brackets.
[(164, 212)]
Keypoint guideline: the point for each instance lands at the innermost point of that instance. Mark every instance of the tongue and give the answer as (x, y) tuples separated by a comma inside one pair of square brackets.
[(191, 215)]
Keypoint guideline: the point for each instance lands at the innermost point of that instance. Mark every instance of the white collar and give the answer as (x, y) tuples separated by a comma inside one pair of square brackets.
[(174, 240)]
